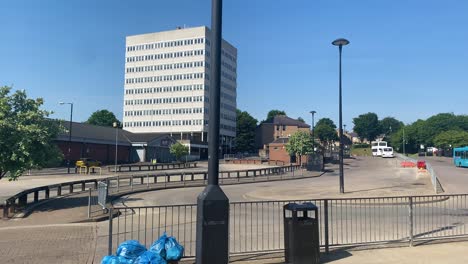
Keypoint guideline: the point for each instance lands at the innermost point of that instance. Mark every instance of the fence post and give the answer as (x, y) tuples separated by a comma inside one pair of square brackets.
[(131, 182), (89, 203), (83, 186), (118, 183), (47, 192), (36, 196), (147, 181), (325, 221), (410, 220), (5, 209), (109, 249), (59, 190)]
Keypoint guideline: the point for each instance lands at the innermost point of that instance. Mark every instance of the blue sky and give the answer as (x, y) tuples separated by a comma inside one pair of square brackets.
[(407, 59)]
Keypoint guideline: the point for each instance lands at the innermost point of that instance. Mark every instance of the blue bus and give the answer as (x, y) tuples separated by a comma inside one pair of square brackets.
[(460, 157)]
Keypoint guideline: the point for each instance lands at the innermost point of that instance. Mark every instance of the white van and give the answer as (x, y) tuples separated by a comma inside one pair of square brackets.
[(387, 152)]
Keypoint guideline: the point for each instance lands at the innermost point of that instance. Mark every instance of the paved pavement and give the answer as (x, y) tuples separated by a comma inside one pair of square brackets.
[(453, 179), (364, 177), (10, 188), (447, 253)]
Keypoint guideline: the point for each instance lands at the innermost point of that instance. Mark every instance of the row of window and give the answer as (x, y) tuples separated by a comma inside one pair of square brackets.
[(228, 76), (176, 111), (167, 44), (169, 66), (228, 56), (165, 78), (228, 86), (168, 55), (228, 66), (175, 123), (170, 100), (164, 123), (168, 89)]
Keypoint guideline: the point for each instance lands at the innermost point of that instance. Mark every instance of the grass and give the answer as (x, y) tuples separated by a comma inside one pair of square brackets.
[(361, 152)]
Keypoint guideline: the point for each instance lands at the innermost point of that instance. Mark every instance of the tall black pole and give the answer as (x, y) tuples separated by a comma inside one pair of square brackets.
[(341, 134), (69, 138), (313, 132), (212, 204)]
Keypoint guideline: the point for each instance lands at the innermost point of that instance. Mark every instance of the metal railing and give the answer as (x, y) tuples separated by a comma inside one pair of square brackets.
[(97, 200), (258, 226), (153, 167), (130, 183), (434, 179)]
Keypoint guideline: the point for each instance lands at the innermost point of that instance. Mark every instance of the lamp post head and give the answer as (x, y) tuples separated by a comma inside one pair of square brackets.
[(313, 112), (61, 103), (340, 42)]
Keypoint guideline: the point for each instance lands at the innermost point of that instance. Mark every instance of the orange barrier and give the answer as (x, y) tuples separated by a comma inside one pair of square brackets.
[(408, 164)]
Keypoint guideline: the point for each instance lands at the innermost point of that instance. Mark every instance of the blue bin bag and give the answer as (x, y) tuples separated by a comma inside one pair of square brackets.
[(110, 260), (117, 260), (130, 249), (150, 257), (159, 246), (174, 251)]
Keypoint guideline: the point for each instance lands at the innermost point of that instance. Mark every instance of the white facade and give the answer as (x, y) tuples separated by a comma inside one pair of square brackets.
[(167, 82)]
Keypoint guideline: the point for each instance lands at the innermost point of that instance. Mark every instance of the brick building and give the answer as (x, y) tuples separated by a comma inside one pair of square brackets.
[(98, 142), (272, 136)]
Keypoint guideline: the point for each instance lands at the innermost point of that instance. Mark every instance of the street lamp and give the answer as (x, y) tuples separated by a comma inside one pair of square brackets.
[(116, 126), (313, 132), (340, 43), (212, 235), (69, 135)]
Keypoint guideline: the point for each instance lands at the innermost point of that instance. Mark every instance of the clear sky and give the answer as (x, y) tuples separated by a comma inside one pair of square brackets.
[(406, 59)]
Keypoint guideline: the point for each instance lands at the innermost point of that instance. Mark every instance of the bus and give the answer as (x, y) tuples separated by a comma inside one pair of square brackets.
[(377, 147), (460, 157)]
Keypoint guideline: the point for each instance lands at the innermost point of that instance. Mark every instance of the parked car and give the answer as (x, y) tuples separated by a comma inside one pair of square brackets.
[(387, 152), (88, 163)]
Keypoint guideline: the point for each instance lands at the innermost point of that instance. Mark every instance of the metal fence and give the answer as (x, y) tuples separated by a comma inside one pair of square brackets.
[(258, 226), (434, 179), (97, 199)]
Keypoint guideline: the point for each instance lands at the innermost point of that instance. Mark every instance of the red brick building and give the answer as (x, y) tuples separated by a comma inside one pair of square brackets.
[(98, 142), (272, 136)]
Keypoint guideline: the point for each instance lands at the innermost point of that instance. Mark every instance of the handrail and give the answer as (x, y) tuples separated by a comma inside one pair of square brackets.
[(20, 200)]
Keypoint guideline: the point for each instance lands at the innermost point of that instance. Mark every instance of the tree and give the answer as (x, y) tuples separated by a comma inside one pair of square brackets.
[(390, 125), (178, 150), (327, 122), (245, 138), (325, 130), (300, 143), (300, 119), (454, 138), (272, 114), (102, 118), (26, 134), (367, 126)]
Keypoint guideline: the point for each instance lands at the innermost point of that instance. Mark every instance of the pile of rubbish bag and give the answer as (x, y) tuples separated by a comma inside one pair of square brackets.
[(132, 252)]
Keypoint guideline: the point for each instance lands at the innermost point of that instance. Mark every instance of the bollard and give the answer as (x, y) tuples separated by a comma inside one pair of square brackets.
[(89, 203)]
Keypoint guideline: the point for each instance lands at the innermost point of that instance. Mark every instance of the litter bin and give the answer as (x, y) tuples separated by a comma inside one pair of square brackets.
[(301, 233)]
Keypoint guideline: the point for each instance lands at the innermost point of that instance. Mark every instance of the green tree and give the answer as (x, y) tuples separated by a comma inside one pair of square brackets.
[(272, 113), (326, 122), (102, 118), (300, 119), (367, 126), (179, 150), (26, 134), (454, 138), (245, 138), (390, 125), (300, 143)]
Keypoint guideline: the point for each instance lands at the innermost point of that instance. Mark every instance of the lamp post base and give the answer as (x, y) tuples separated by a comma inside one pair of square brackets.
[(212, 226)]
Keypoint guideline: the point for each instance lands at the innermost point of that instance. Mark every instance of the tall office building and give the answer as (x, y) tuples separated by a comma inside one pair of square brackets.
[(167, 83)]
